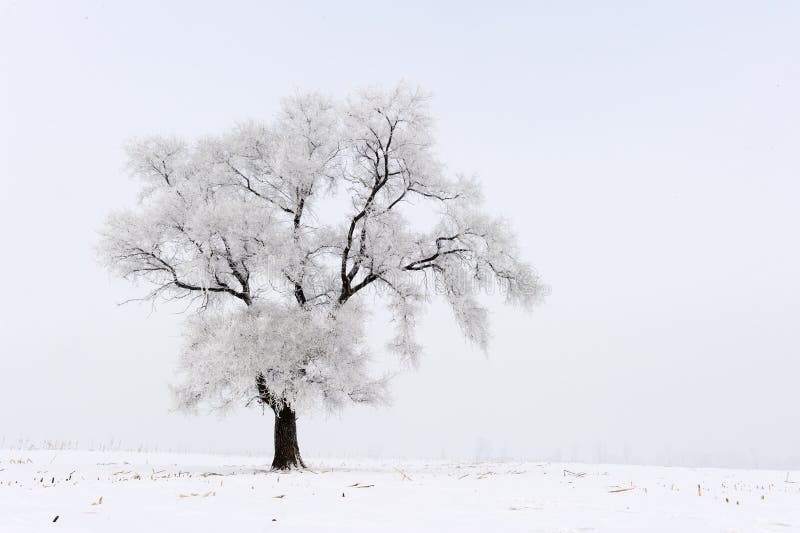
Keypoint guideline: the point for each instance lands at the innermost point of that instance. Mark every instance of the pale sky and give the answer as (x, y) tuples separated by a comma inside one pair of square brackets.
[(648, 156)]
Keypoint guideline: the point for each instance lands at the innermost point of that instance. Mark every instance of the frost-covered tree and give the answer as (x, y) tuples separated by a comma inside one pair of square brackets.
[(276, 231)]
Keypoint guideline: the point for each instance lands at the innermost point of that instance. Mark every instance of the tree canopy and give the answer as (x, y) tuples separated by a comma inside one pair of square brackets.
[(275, 230)]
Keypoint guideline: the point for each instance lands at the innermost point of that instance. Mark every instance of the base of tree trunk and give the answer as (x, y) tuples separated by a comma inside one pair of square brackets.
[(287, 452)]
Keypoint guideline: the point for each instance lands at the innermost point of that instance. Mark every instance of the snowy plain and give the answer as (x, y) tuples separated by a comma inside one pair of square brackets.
[(134, 492)]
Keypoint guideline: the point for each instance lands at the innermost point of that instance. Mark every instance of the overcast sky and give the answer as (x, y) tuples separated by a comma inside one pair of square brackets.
[(648, 156)]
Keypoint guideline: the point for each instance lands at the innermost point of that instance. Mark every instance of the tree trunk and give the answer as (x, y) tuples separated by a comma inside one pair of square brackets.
[(287, 452)]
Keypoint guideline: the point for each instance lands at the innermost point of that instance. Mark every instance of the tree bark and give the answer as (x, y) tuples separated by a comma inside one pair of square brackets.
[(287, 452)]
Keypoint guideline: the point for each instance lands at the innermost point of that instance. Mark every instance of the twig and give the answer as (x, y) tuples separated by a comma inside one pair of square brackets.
[(626, 489), (405, 476)]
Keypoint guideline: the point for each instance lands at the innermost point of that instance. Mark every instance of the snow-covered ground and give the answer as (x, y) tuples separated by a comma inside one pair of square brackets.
[(151, 492)]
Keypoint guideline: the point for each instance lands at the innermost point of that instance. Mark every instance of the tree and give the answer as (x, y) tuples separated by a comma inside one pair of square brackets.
[(276, 231)]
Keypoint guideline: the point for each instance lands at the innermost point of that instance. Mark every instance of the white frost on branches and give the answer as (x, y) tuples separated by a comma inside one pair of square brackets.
[(307, 357), (278, 229)]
